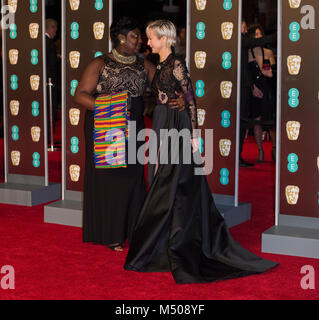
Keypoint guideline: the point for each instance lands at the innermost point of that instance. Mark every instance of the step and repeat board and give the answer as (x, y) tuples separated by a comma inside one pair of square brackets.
[(296, 226), (86, 37), (213, 66), (24, 91), (299, 165)]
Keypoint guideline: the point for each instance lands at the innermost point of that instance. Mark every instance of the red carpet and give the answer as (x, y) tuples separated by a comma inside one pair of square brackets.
[(51, 262)]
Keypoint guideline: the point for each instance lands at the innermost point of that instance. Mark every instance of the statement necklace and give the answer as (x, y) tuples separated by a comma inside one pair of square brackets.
[(123, 59)]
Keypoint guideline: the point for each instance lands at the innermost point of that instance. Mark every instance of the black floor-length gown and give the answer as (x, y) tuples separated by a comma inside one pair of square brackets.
[(179, 228), (113, 196)]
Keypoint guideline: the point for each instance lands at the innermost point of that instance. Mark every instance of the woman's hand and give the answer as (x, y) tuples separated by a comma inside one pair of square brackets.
[(257, 92), (178, 103), (195, 144)]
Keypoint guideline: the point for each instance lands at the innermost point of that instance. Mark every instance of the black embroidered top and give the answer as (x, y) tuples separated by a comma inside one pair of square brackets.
[(118, 77), (170, 77)]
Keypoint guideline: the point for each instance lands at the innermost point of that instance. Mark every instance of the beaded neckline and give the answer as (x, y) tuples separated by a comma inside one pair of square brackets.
[(123, 59)]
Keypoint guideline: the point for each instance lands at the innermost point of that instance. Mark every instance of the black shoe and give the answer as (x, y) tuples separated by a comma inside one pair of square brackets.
[(243, 163)]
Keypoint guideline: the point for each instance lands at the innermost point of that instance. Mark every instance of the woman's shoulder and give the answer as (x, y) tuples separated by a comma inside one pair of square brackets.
[(97, 63), (178, 62), (257, 51), (99, 60), (102, 58), (268, 52), (178, 59)]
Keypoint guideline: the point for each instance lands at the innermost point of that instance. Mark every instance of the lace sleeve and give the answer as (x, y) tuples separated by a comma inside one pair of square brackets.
[(181, 74)]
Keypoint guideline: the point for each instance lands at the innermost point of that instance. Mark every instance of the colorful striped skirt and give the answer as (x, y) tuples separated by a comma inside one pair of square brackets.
[(111, 130)]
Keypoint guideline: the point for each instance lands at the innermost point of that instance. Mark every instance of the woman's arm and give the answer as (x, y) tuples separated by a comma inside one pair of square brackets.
[(83, 94), (181, 74), (259, 56), (269, 56)]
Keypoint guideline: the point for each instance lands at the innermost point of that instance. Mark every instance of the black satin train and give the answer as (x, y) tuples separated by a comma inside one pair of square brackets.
[(179, 228)]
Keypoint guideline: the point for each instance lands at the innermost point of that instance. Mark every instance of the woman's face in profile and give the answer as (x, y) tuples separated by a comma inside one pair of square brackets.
[(154, 42), (258, 34), (133, 42)]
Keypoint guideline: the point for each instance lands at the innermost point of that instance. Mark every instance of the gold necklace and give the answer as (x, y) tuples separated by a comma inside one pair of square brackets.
[(123, 59)]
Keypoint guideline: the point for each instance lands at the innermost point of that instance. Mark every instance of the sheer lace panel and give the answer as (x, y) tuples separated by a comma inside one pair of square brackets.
[(172, 76), (117, 77)]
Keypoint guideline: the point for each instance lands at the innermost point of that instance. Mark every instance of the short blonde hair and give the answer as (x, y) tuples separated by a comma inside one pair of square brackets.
[(164, 28)]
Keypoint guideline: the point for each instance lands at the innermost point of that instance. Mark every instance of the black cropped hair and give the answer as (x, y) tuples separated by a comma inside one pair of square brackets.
[(252, 29), (122, 26)]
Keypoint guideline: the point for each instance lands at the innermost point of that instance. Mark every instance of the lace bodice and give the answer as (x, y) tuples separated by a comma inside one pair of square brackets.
[(117, 77), (172, 76)]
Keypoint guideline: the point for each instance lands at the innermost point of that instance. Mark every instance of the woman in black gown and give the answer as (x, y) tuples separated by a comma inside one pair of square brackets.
[(112, 197), (179, 228)]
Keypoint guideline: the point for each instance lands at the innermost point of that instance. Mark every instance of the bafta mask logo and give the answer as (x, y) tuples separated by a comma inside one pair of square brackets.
[(226, 89), (15, 157), (227, 30), (14, 107), (74, 4), (74, 171), (200, 59), (201, 113), (294, 63), (74, 57), (13, 4), (224, 147), (98, 29), (200, 4), (292, 194), (34, 30), (293, 130), (74, 115), (35, 134), (13, 56), (294, 3), (35, 82)]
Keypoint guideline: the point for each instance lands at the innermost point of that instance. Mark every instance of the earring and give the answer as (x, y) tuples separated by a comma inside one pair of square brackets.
[(122, 41)]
